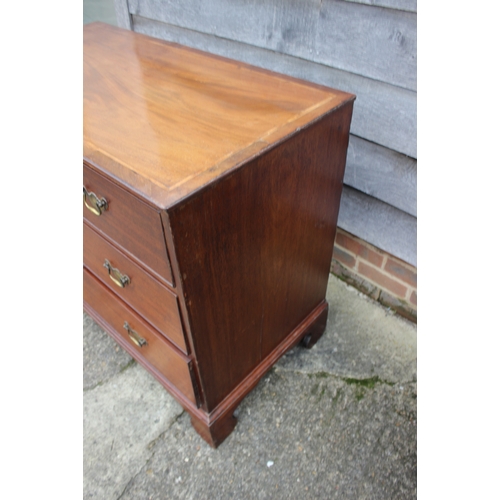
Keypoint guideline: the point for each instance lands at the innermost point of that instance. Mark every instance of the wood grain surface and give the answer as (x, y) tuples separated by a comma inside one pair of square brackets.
[(383, 147), (385, 114), (230, 178), (132, 224), (147, 296), (254, 251), (158, 353), (166, 120), (362, 39)]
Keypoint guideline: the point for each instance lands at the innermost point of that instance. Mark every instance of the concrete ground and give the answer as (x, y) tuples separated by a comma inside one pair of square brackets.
[(336, 421)]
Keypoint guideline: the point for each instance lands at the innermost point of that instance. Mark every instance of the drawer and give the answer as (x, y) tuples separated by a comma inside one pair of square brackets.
[(139, 290), (155, 352), (127, 220)]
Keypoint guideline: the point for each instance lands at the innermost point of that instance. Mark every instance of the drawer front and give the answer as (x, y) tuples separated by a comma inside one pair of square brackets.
[(155, 351), (132, 284), (128, 221)]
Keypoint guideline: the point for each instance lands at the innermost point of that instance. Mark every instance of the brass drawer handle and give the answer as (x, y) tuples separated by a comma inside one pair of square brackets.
[(134, 336), (93, 203), (116, 276)]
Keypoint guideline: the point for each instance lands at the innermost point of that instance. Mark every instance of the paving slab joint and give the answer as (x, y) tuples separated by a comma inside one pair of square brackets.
[(102, 382), (152, 443), (131, 481), (91, 388), (150, 446), (127, 366), (368, 382)]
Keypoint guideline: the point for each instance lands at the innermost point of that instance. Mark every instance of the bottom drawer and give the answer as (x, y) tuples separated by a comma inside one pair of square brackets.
[(137, 337)]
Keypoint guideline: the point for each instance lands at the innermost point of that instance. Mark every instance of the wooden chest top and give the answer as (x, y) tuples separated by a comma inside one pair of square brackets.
[(166, 120)]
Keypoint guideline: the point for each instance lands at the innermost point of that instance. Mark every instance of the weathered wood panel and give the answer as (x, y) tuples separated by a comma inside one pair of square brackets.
[(289, 37), (380, 224), (362, 39), (383, 113), (123, 17), (407, 5), (383, 174)]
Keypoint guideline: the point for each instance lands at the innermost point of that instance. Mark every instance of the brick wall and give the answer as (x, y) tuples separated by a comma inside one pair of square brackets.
[(376, 273)]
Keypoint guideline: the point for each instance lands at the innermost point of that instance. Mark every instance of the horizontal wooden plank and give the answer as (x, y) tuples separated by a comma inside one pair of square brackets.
[(122, 14), (375, 42), (383, 174), (380, 224), (383, 114), (407, 5)]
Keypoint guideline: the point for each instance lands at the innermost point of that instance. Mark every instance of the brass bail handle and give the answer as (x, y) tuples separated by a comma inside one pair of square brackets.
[(116, 276), (93, 203), (134, 336)]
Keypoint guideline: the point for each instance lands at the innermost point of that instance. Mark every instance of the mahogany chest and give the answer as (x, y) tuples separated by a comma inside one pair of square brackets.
[(211, 191)]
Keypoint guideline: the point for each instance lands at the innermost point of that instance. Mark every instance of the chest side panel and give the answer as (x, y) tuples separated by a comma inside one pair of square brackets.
[(254, 250)]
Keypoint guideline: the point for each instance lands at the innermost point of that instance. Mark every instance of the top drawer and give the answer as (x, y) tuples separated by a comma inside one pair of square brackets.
[(132, 224)]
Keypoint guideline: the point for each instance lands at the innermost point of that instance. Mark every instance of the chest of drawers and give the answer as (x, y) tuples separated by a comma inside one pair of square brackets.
[(210, 202)]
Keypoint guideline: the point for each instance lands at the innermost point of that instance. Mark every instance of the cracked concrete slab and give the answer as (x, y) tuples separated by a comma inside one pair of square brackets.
[(336, 421)]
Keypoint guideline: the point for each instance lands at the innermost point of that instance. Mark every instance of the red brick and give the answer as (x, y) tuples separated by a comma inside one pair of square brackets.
[(381, 279), (413, 298), (348, 242), (401, 271), (343, 257), (358, 247), (371, 256)]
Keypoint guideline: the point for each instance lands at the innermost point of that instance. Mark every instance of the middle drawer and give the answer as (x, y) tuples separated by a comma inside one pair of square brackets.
[(139, 290)]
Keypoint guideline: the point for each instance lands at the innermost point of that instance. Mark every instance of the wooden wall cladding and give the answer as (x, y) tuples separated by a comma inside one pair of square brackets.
[(383, 174), (367, 47), (361, 39), (378, 104), (408, 5), (379, 223)]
